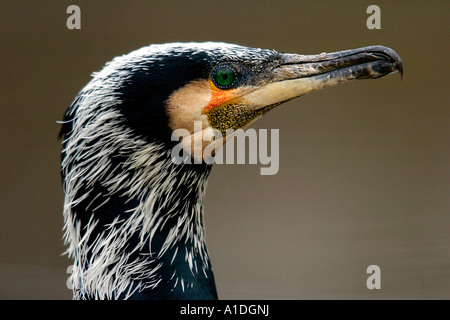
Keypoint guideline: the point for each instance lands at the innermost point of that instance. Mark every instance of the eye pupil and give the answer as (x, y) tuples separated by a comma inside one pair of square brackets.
[(224, 76)]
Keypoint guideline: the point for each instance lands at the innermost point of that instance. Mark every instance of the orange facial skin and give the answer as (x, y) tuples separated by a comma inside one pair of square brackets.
[(218, 97)]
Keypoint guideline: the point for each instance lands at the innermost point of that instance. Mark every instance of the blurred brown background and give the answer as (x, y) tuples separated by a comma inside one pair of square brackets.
[(364, 172)]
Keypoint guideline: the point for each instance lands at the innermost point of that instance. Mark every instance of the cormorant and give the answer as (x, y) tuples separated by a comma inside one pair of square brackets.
[(133, 218)]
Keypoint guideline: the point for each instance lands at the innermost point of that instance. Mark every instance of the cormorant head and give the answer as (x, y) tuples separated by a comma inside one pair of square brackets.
[(162, 88), (134, 218)]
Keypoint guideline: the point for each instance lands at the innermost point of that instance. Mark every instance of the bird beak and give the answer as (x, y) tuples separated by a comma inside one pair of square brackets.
[(300, 74)]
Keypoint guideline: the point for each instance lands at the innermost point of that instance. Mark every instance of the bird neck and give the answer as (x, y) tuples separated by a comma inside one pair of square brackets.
[(134, 225)]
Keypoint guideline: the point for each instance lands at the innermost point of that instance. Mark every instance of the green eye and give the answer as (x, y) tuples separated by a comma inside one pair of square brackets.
[(224, 77)]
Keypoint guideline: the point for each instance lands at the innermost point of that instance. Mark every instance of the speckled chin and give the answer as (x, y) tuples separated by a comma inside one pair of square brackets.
[(235, 116)]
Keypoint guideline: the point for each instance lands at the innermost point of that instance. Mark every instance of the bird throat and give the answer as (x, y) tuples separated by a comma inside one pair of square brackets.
[(235, 116)]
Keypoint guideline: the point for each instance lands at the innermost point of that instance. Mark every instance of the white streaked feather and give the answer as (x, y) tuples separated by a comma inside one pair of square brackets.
[(95, 277)]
